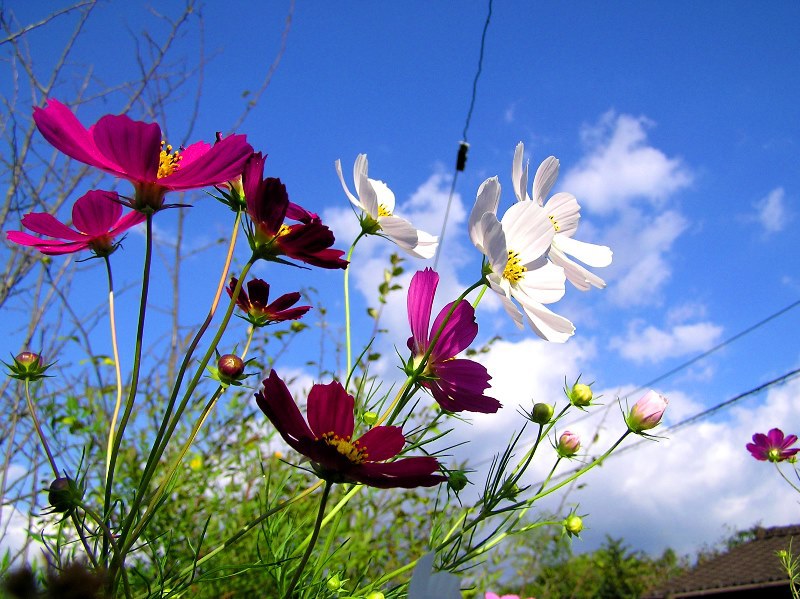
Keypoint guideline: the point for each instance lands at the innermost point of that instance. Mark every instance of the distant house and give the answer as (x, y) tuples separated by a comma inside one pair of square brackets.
[(747, 571)]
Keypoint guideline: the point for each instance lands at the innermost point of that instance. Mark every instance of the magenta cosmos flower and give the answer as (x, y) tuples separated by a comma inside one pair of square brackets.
[(457, 384), (96, 217), (135, 151), (268, 206), (327, 439), (773, 447), (255, 303)]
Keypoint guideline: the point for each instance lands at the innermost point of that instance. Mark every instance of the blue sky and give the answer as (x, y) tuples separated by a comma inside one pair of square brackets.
[(677, 127)]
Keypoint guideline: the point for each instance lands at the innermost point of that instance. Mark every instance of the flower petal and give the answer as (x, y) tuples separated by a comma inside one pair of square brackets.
[(224, 162), (487, 200), (382, 442), (545, 178), (46, 224), (579, 276), (406, 473), (353, 199), (460, 387), (528, 231), (459, 331), (330, 410), (519, 176), (588, 253), (543, 282), (400, 231), (419, 303), (96, 212), (133, 145), (384, 195), (46, 246), (545, 324), (279, 406)]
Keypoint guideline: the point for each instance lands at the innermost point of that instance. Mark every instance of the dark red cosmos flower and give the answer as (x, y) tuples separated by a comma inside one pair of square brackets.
[(135, 151), (268, 206), (255, 303), (327, 439), (773, 446), (97, 218), (457, 384)]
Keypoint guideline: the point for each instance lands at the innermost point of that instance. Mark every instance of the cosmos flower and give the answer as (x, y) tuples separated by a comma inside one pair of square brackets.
[(563, 211), (255, 303), (268, 206), (327, 439), (377, 202), (516, 250), (773, 447), (647, 412), (457, 384), (97, 218), (135, 151)]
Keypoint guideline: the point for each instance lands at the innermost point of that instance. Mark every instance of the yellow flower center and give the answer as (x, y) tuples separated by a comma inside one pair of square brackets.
[(167, 160), (284, 230), (383, 211), (347, 448), (553, 220), (513, 270)]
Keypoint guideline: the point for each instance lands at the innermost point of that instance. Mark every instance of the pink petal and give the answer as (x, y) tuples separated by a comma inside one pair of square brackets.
[(46, 224), (48, 247), (460, 330), (277, 403), (407, 473), (382, 442), (419, 304), (193, 152), (330, 410), (126, 222), (96, 212), (133, 145), (224, 162)]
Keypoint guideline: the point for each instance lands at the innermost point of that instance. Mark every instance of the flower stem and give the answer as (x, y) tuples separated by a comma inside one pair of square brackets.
[(347, 335), (314, 535), (39, 430), (117, 370), (395, 402)]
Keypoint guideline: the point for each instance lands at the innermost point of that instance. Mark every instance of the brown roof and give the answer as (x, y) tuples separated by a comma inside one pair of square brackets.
[(751, 565)]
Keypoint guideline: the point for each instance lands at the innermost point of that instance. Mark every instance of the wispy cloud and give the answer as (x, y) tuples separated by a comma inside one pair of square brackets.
[(647, 343), (771, 211)]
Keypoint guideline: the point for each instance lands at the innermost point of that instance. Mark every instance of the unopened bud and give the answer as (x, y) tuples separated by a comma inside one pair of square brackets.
[(573, 524), (334, 583), (542, 413), (230, 366), (457, 481), (568, 444), (370, 418), (646, 413), (28, 366), (580, 395), (64, 495), (376, 595)]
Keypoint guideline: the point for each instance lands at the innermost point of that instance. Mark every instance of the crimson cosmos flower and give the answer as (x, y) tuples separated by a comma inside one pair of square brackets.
[(268, 205), (96, 216), (255, 303), (135, 151), (773, 446), (457, 384), (327, 439)]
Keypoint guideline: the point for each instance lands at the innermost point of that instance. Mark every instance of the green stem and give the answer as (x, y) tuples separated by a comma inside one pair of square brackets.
[(39, 430), (347, 335), (117, 369), (314, 535)]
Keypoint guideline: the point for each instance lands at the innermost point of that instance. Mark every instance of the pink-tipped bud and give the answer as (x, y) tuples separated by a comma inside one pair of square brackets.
[(28, 366), (568, 444), (646, 413), (231, 366)]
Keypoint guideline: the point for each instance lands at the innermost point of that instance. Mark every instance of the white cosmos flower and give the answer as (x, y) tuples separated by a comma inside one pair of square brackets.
[(516, 248), (377, 201), (563, 211)]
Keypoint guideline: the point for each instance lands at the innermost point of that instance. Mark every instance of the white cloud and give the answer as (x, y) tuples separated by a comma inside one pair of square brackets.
[(621, 166), (650, 344), (771, 211)]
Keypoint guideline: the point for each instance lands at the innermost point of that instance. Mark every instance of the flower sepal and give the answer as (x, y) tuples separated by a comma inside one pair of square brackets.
[(64, 495), (28, 366)]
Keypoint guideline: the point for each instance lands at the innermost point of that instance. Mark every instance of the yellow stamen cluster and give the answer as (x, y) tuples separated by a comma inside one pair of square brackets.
[(349, 449), (513, 270), (383, 211), (285, 229), (167, 160), (553, 220)]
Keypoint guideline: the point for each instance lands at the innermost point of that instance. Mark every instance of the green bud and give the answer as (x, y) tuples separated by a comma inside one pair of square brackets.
[(580, 395), (370, 418), (542, 413), (573, 524), (457, 481), (28, 366), (376, 595), (334, 583), (64, 495)]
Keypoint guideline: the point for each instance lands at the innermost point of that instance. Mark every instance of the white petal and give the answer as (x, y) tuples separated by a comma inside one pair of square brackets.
[(565, 212), (487, 200), (367, 195), (545, 284), (528, 230), (426, 245), (548, 325), (385, 195), (519, 176), (545, 178), (509, 306), (400, 231), (494, 240), (580, 277), (588, 253), (353, 198)]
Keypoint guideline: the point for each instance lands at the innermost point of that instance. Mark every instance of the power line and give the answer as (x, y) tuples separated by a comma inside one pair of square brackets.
[(463, 146)]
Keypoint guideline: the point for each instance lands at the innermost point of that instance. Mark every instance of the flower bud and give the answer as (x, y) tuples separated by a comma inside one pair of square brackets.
[(370, 418), (334, 583), (376, 595), (28, 366), (230, 366), (568, 444), (573, 525), (64, 495), (541, 413), (646, 413), (580, 395), (457, 481)]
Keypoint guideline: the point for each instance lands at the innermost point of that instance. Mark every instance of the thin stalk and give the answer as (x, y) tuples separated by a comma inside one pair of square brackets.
[(117, 369), (336, 509), (314, 535), (39, 430), (347, 335)]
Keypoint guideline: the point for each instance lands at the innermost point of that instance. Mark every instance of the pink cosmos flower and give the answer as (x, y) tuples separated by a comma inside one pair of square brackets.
[(327, 439), (135, 151), (773, 447), (96, 217), (268, 206), (647, 412), (255, 303), (457, 384)]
